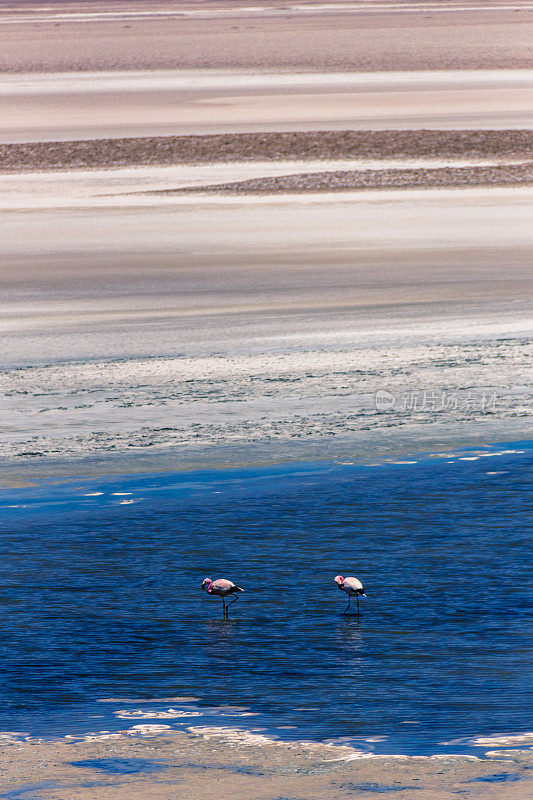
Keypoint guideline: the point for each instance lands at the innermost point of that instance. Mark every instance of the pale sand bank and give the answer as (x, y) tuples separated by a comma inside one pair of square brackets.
[(288, 297), (215, 763), (57, 36), (109, 187), (62, 106), (279, 231)]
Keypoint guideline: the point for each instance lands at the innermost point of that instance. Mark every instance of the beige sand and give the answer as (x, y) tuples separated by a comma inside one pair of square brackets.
[(224, 768), (490, 35), (95, 105)]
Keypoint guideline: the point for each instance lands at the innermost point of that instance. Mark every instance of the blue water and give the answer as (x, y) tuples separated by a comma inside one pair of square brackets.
[(101, 598)]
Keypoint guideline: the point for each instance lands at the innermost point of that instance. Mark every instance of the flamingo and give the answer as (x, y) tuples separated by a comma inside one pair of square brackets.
[(222, 588), (353, 588)]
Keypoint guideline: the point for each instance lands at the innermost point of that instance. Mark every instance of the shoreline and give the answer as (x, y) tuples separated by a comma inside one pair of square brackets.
[(22, 473), (210, 765), (134, 720)]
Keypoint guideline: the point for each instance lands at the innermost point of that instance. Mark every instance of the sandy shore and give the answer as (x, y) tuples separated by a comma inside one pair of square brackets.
[(212, 765)]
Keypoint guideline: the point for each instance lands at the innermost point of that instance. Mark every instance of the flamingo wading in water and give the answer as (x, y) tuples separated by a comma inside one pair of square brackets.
[(353, 588), (222, 588)]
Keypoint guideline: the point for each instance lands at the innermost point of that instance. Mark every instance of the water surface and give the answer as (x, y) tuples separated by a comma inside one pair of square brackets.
[(101, 600)]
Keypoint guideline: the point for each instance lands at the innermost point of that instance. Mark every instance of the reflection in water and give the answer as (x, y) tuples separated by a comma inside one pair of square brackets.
[(221, 633), (350, 635)]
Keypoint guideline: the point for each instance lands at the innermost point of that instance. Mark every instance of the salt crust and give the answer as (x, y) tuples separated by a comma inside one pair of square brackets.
[(503, 740), (171, 713), (513, 755), (239, 737)]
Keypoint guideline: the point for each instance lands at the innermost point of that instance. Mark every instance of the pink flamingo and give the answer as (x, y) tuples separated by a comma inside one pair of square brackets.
[(353, 588), (222, 588)]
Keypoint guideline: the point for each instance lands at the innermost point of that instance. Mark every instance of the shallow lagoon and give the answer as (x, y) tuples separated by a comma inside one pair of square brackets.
[(101, 600)]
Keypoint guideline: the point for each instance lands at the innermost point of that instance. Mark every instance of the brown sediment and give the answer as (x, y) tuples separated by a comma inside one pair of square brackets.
[(183, 766), (271, 146), (355, 180)]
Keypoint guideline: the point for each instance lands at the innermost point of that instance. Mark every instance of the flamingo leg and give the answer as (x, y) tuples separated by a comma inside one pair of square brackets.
[(357, 597), (235, 598), (348, 606), (223, 609)]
